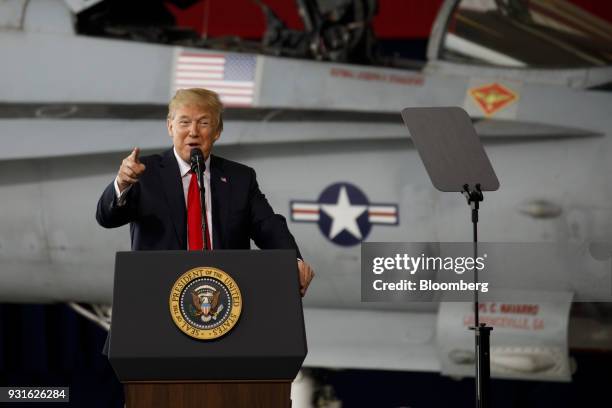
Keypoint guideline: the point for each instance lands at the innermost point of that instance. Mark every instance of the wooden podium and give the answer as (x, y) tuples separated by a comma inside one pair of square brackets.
[(209, 394), (251, 365)]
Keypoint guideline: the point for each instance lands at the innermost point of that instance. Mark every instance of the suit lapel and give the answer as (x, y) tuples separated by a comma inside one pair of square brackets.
[(220, 195), (173, 189)]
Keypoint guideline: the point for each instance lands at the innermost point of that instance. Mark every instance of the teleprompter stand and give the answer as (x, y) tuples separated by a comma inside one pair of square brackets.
[(456, 162), (251, 365), (481, 331)]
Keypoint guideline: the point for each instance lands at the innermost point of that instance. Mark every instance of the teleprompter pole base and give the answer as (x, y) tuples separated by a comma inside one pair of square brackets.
[(483, 364)]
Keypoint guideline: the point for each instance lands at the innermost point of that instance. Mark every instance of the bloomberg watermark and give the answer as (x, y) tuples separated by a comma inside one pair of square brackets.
[(430, 271)]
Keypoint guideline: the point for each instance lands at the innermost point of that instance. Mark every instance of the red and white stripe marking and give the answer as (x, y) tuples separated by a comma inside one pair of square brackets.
[(305, 211), (382, 214), (377, 214)]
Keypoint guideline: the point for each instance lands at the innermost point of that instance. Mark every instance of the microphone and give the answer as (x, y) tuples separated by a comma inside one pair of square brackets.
[(198, 165)]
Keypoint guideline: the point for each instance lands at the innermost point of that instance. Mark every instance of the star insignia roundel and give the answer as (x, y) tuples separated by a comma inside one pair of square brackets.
[(344, 214)]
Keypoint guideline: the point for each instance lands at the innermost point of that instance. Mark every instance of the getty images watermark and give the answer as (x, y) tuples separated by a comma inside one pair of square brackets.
[(427, 264), (432, 271)]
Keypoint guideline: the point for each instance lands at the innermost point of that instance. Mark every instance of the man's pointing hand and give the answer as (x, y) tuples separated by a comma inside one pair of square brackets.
[(130, 171)]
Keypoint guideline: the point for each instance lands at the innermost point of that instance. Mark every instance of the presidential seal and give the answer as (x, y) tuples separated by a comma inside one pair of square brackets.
[(205, 303)]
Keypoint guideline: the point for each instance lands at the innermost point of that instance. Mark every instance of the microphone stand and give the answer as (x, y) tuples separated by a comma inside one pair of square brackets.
[(482, 332), (200, 168)]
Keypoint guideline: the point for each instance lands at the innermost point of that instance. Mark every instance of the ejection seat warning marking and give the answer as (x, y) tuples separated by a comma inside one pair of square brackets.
[(379, 76)]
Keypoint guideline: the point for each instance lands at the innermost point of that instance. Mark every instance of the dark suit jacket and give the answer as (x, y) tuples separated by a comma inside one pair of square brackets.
[(155, 208)]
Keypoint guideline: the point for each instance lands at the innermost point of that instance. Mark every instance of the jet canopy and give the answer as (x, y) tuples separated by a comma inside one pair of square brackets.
[(516, 33)]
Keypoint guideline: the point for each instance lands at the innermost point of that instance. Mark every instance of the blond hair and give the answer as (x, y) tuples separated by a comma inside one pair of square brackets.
[(203, 98)]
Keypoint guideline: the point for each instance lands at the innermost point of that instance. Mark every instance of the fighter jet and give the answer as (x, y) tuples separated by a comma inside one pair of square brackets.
[(73, 105)]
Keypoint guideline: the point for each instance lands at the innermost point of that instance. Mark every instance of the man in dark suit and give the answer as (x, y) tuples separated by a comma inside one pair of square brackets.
[(159, 195)]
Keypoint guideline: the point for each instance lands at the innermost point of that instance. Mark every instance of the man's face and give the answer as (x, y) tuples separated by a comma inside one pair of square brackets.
[(192, 127)]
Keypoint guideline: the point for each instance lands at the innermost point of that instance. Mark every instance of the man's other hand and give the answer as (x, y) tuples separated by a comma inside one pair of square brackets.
[(306, 275), (130, 171)]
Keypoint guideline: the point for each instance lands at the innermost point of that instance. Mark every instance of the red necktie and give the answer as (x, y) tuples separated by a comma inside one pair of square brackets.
[(194, 217)]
